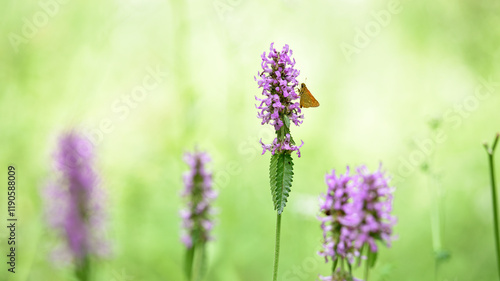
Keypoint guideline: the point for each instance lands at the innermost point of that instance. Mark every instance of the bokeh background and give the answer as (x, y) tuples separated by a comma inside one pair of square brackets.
[(382, 70)]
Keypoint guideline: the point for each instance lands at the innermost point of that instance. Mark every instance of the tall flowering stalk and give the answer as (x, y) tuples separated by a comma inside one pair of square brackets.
[(279, 108), (491, 161), (197, 221), (441, 254), (74, 204), (356, 213)]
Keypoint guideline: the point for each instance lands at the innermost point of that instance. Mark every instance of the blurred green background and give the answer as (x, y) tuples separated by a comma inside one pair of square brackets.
[(381, 71)]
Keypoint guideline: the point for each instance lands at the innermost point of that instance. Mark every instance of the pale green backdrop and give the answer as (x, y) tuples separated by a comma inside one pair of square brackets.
[(150, 79)]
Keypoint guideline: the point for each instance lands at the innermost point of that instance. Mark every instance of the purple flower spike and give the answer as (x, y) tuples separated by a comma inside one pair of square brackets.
[(278, 80), (356, 213), (376, 196), (74, 203), (341, 217), (198, 190)]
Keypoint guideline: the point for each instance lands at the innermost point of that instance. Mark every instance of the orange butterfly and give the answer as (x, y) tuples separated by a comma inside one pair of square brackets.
[(306, 98)]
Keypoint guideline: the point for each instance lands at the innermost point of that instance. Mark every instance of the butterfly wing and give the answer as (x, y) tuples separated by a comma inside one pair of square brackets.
[(306, 98)]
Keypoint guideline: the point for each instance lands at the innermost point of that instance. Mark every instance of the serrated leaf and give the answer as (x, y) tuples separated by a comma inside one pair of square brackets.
[(281, 180), (273, 169)]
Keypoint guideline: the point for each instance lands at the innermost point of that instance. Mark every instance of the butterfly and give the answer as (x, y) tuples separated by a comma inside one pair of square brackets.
[(306, 98)]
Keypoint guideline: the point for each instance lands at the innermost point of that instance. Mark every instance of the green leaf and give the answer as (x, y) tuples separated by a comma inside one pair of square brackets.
[(83, 270), (286, 121), (195, 262), (335, 262), (188, 262), (273, 170), (281, 176), (284, 130), (372, 258), (359, 258), (199, 263)]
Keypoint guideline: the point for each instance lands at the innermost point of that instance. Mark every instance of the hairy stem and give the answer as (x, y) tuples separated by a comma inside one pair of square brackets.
[(277, 247)]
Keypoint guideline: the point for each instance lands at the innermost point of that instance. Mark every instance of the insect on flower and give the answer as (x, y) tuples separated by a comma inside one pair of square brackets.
[(306, 98)]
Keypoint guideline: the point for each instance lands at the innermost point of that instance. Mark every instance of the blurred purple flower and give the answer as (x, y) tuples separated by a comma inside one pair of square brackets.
[(341, 216), (376, 195), (74, 203), (278, 81), (198, 190), (357, 211)]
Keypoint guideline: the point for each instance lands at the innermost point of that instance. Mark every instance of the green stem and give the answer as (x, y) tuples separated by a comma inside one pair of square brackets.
[(195, 262), (494, 197), (188, 263), (368, 262), (334, 264), (435, 214), (277, 247), (83, 269), (367, 269), (495, 208), (198, 263)]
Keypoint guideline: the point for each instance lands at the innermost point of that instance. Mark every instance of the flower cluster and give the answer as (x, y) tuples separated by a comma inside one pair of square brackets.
[(280, 105), (74, 203), (376, 195), (341, 216), (285, 145), (198, 190), (357, 211)]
